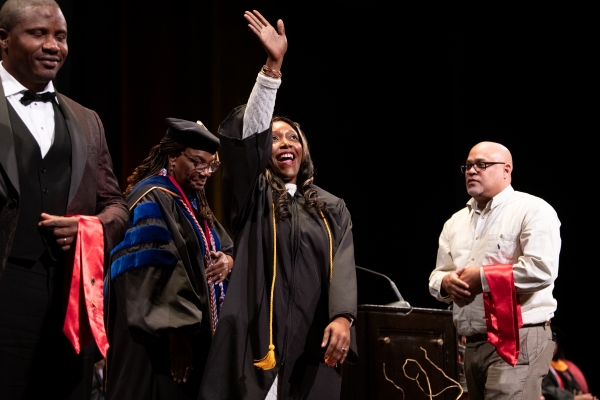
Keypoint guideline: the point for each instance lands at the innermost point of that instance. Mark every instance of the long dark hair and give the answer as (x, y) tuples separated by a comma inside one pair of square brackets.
[(157, 159), (304, 179)]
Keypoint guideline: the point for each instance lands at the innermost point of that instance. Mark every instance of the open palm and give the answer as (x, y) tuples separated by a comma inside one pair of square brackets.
[(274, 41)]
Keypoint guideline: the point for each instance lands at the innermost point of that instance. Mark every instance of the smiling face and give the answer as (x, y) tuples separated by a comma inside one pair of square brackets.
[(287, 152), (185, 172), (36, 48)]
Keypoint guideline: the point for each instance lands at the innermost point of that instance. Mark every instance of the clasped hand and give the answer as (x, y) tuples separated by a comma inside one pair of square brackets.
[(463, 285), (578, 395), (220, 268)]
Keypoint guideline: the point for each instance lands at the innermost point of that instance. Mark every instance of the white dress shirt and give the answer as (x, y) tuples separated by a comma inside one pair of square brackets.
[(37, 116), (514, 228)]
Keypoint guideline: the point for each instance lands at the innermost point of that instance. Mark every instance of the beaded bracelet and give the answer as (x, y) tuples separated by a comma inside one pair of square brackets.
[(264, 70)]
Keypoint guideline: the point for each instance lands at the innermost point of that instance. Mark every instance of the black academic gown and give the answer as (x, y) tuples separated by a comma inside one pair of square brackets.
[(305, 301), (552, 391), (157, 282)]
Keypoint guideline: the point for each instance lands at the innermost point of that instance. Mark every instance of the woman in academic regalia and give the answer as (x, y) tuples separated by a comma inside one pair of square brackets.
[(564, 381), (167, 277), (285, 330)]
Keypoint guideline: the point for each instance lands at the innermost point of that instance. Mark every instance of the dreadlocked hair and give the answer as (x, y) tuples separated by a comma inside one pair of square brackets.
[(157, 159), (304, 179), (204, 209)]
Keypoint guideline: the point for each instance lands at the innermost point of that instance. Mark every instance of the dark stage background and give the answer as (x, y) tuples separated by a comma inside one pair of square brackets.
[(391, 99)]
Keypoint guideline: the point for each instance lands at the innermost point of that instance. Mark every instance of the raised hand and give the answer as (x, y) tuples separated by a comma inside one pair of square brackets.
[(273, 41)]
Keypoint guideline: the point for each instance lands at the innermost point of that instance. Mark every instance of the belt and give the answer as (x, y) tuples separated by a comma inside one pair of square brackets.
[(546, 323), (478, 337), (482, 337)]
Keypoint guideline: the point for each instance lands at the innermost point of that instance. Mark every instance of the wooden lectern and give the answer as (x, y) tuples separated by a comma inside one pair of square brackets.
[(400, 351)]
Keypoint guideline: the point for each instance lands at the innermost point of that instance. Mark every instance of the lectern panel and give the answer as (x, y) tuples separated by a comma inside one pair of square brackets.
[(403, 356)]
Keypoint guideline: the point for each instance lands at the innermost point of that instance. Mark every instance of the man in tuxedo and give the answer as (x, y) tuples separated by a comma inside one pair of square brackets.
[(54, 167)]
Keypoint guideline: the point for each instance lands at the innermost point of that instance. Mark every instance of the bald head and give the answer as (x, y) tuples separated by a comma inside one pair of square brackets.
[(491, 173), (494, 151)]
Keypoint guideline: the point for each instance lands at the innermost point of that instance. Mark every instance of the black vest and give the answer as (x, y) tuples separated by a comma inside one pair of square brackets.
[(44, 184)]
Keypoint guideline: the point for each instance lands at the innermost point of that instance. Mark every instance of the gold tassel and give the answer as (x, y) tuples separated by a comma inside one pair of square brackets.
[(268, 361)]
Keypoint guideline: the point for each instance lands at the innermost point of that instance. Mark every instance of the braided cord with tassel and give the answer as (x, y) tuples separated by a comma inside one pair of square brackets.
[(268, 361), (330, 246)]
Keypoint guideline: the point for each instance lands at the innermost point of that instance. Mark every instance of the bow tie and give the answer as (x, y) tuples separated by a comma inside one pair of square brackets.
[(29, 96)]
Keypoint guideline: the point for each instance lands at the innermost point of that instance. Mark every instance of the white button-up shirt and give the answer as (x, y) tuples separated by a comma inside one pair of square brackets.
[(514, 228), (37, 116)]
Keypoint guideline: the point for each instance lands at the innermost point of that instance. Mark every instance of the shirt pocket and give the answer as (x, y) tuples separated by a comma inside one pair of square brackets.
[(502, 248)]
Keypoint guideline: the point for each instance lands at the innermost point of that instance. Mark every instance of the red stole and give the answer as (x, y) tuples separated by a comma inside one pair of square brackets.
[(85, 308), (502, 311)]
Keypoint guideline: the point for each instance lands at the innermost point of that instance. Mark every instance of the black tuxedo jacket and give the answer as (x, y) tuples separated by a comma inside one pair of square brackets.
[(94, 189)]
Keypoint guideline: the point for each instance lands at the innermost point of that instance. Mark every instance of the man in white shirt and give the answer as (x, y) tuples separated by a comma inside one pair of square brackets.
[(54, 168), (499, 226)]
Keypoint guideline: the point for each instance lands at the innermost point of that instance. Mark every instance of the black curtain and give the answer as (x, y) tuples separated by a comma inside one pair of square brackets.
[(391, 97)]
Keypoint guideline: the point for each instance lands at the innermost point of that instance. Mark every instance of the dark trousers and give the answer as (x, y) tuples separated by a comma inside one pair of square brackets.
[(36, 359)]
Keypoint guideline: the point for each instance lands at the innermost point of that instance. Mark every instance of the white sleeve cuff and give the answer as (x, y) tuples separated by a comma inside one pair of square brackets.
[(271, 83), (484, 282)]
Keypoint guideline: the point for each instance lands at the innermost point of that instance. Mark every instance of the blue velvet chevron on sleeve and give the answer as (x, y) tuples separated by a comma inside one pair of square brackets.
[(140, 259), (143, 234), (143, 243), (144, 211)]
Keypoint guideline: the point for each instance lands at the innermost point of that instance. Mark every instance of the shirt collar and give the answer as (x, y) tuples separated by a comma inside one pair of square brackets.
[(291, 188), (13, 87), (496, 201)]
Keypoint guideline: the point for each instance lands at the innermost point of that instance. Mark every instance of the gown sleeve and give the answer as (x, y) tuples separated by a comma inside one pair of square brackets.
[(226, 244), (151, 270), (343, 287), (243, 161), (342, 291), (551, 390)]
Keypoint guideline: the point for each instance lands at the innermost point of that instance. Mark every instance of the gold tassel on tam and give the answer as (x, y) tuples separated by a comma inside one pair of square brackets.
[(268, 361)]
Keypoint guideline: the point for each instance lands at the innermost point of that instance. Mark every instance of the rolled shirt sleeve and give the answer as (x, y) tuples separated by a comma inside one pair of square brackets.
[(444, 265), (515, 228)]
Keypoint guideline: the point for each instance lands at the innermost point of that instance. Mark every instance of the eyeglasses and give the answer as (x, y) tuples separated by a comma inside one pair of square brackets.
[(201, 166), (480, 166)]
